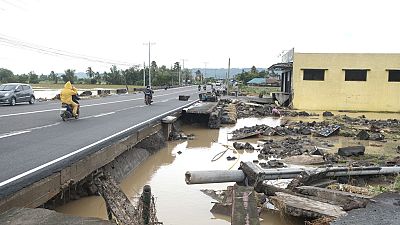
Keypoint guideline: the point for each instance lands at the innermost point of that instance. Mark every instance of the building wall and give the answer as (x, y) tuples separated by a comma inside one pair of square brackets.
[(334, 93)]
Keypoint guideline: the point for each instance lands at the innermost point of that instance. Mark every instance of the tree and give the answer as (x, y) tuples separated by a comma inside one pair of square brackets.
[(6, 75), (114, 77), (33, 78), (43, 77), (89, 72), (53, 77), (98, 78), (253, 69), (22, 78), (199, 76), (69, 75)]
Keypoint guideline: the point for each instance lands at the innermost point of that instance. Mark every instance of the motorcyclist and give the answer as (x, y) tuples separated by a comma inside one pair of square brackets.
[(149, 92), (66, 97), (199, 87)]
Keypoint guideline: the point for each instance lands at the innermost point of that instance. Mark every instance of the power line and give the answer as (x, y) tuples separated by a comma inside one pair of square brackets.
[(13, 4), (13, 42)]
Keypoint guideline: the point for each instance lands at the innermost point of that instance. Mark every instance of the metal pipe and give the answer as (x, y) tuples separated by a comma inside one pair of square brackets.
[(214, 176), (220, 176)]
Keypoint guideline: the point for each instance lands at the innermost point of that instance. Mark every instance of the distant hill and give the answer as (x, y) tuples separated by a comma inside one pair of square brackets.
[(221, 72)]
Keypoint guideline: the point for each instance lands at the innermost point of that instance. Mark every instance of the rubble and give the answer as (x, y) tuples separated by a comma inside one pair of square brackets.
[(351, 151)]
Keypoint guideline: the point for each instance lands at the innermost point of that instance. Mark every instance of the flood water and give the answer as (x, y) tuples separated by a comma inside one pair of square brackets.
[(51, 93), (176, 202)]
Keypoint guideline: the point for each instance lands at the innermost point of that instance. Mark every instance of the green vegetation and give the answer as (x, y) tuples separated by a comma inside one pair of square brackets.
[(160, 76), (49, 85), (378, 189), (253, 73), (256, 90)]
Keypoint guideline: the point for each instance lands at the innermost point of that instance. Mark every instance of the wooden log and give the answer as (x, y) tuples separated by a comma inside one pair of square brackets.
[(119, 204), (304, 207), (346, 200), (244, 206)]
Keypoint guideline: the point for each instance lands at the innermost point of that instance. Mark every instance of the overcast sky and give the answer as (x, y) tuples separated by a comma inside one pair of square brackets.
[(251, 32)]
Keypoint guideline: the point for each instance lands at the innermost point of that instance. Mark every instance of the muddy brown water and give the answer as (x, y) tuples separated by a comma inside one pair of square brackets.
[(178, 203)]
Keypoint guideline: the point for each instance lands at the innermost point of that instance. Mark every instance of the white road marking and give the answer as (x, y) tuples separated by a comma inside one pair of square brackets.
[(83, 148), (83, 106), (103, 114), (26, 130), (14, 133)]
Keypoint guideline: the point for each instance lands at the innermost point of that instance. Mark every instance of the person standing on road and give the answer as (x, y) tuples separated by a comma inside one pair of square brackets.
[(66, 97)]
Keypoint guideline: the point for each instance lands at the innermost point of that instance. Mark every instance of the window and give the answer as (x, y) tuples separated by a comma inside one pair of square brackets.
[(355, 75), (313, 74), (26, 87), (394, 76)]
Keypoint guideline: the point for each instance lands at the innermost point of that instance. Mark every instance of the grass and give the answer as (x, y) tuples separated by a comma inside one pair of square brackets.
[(81, 86), (256, 90), (378, 189)]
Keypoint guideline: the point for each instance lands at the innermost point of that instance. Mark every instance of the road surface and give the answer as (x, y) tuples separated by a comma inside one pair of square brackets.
[(35, 142)]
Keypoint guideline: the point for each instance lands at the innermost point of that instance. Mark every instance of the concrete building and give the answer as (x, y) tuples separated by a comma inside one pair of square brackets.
[(344, 81)]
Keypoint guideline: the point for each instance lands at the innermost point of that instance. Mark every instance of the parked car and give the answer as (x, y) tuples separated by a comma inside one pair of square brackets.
[(13, 93)]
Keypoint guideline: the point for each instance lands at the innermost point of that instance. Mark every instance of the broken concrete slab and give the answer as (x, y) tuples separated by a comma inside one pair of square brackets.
[(304, 207), (328, 130), (351, 151), (26, 216), (346, 200)]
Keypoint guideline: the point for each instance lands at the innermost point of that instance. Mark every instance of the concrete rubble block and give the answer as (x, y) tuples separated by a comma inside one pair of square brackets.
[(248, 146), (305, 207), (351, 151), (346, 200), (238, 145), (327, 113), (377, 137), (169, 119), (86, 93), (363, 135), (183, 97), (328, 130)]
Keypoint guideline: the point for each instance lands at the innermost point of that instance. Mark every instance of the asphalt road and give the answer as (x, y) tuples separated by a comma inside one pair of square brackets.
[(35, 142)]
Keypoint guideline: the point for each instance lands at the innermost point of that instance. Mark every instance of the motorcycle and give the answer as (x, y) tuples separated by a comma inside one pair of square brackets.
[(147, 99), (66, 110), (199, 87), (204, 87)]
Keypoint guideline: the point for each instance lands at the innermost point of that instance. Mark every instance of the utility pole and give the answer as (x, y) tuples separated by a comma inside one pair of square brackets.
[(229, 69), (144, 74), (183, 69), (149, 44), (205, 66)]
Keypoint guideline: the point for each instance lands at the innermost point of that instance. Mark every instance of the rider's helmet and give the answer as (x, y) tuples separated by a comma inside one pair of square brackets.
[(148, 87)]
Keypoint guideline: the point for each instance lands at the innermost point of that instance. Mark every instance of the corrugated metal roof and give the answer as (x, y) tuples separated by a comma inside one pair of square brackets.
[(258, 80)]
